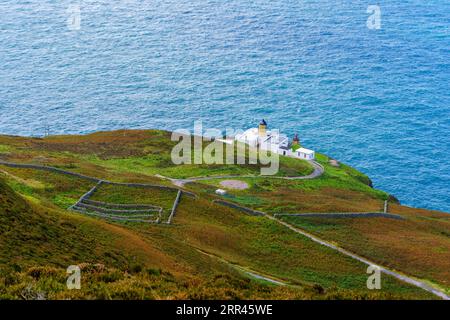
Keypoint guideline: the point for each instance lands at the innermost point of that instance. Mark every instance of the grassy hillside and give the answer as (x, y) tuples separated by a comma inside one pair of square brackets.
[(341, 189), (35, 235), (117, 263), (420, 243), (38, 244), (136, 152), (266, 247), (209, 250)]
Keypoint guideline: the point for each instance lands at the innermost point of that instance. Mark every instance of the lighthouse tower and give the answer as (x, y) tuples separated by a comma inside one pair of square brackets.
[(262, 132), (295, 143), (296, 140)]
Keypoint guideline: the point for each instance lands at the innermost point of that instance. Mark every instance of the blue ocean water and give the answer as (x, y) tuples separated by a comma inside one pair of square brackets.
[(378, 100)]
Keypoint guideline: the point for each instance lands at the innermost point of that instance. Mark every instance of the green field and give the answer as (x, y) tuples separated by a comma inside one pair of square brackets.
[(135, 195), (420, 244), (205, 251)]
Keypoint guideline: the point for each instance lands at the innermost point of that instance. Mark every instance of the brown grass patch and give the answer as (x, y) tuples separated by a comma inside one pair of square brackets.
[(286, 200), (419, 245)]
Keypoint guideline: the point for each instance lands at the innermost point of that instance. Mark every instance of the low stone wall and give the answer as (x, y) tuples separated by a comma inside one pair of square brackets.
[(120, 206), (116, 218), (174, 207), (87, 194), (343, 215), (238, 207), (113, 211), (94, 205)]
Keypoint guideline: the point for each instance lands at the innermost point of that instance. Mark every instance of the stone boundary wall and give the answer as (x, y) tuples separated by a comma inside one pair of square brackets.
[(112, 211), (117, 218), (238, 207), (83, 206), (51, 169), (343, 215), (174, 207), (93, 205), (120, 206), (86, 195), (82, 176)]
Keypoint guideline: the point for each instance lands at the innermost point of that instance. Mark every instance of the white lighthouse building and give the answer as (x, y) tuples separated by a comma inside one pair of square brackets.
[(275, 142)]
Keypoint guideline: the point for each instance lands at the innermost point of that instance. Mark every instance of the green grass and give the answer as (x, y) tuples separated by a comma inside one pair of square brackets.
[(343, 177), (140, 283), (135, 195), (5, 148), (414, 246), (269, 248), (281, 196), (31, 234), (38, 233), (38, 245), (57, 189), (151, 164)]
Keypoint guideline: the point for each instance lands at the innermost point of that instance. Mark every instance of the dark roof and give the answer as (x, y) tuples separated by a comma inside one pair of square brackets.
[(263, 122)]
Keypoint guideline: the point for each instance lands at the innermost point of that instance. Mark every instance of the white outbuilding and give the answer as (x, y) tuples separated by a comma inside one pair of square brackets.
[(275, 142), (221, 192)]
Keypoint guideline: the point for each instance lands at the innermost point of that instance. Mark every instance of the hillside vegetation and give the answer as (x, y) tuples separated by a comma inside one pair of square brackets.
[(420, 243), (210, 251)]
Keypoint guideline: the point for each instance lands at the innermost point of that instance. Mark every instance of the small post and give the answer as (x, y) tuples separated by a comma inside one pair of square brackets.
[(385, 206)]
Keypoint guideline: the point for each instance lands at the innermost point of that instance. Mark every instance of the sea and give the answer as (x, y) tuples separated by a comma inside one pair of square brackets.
[(365, 82)]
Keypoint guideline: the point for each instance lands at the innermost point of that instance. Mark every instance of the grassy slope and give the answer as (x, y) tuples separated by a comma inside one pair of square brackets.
[(127, 195), (420, 244), (342, 189), (38, 243), (46, 187), (247, 241), (34, 234), (139, 152), (118, 263), (267, 247)]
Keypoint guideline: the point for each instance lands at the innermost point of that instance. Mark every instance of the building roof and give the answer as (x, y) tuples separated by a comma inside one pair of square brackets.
[(275, 138), (304, 150), (263, 123)]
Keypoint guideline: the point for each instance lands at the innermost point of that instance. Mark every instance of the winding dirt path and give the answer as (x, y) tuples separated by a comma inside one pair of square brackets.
[(318, 171)]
